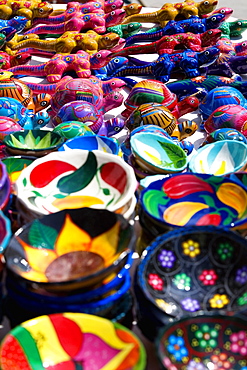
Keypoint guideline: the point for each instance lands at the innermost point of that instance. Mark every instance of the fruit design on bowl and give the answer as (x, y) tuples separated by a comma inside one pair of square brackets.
[(72, 341), (188, 199), (204, 342), (74, 179), (73, 247)]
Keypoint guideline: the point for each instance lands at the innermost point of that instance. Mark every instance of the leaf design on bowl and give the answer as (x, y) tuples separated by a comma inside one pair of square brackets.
[(175, 153), (29, 141)]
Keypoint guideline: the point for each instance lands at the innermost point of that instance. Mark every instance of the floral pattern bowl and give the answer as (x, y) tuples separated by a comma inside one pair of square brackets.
[(70, 249), (189, 199), (74, 179), (157, 154), (203, 343), (220, 158), (72, 341), (35, 143), (193, 270)]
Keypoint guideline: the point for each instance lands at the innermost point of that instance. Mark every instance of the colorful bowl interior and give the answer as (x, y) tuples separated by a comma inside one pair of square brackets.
[(203, 342), (74, 179), (95, 142), (188, 199), (195, 269), (157, 153), (72, 340), (72, 247), (220, 158)]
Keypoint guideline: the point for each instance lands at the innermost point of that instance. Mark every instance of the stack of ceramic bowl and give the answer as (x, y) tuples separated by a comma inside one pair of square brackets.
[(72, 341), (73, 179), (190, 271), (189, 199), (76, 260)]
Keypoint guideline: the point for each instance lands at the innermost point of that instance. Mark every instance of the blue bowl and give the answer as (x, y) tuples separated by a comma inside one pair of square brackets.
[(95, 142)]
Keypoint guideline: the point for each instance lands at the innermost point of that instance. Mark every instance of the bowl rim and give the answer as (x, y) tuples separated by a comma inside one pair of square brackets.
[(112, 143)]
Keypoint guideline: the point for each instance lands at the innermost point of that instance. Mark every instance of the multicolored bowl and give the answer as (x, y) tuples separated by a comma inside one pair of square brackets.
[(74, 179), (35, 143), (96, 142), (72, 341), (71, 249), (220, 158), (203, 342), (189, 199)]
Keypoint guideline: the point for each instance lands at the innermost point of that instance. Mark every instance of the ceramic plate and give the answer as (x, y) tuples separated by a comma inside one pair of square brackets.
[(195, 199), (204, 343), (74, 179), (72, 341)]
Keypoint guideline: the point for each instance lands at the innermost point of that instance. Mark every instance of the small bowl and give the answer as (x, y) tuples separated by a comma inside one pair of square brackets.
[(71, 129), (96, 142), (5, 186), (72, 339), (71, 249), (189, 199), (203, 342), (220, 158), (157, 154), (75, 179), (5, 232), (35, 143)]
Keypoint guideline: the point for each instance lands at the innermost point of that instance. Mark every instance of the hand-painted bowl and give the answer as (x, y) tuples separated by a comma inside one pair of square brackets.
[(157, 154), (4, 186), (192, 270), (14, 165), (70, 129), (74, 179), (220, 158), (96, 142), (5, 231), (72, 341), (70, 249), (203, 342), (35, 143), (189, 199)]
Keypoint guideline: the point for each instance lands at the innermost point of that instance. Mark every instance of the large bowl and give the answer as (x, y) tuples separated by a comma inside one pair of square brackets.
[(188, 199), (72, 341), (71, 249), (35, 143), (74, 179), (192, 270), (220, 158), (205, 343)]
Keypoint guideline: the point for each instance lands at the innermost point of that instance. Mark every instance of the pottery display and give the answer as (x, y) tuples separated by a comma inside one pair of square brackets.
[(74, 179), (71, 335), (220, 158)]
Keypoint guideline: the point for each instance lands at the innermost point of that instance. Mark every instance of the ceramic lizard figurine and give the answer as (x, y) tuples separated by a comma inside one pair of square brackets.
[(54, 68), (115, 63), (73, 41), (161, 69), (125, 30), (172, 11), (227, 46), (236, 64), (168, 43), (233, 29), (14, 60), (18, 23), (194, 25)]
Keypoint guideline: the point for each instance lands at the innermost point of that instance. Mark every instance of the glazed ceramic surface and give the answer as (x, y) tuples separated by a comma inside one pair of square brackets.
[(4, 186), (95, 142), (7, 126), (188, 199), (70, 129), (220, 158), (5, 231), (204, 342), (14, 166), (157, 154), (74, 179), (72, 341), (194, 270), (80, 247)]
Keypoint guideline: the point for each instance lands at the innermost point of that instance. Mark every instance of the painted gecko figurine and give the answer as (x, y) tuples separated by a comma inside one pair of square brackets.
[(172, 11), (53, 69), (115, 63), (18, 23), (194, 25), (233, 29), (14, 60), (235, 65), (72, 41), (168, 43), (189, 61)]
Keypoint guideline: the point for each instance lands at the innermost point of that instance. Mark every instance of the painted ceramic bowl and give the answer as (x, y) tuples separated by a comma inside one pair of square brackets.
[(74, 179), (188, 199), (4, 186), (157, 154), (192, 270), (5, 231), (220, 158), (36, 143), (70, 129), (8, 126), (14, 165), (77, 341), (96, 142), (203, 342), (70, 249)]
